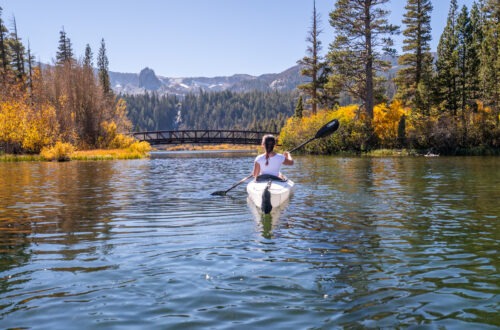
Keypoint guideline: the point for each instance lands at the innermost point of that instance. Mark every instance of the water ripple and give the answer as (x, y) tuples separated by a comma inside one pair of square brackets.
[(363, 243)]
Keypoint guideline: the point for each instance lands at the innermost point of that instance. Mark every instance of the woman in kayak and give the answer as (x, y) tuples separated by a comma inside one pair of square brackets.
[(270, 162)]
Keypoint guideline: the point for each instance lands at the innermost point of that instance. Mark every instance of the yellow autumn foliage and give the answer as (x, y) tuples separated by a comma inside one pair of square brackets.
[(29, 127), (61, 151), (140, 148), (111, 139), (41, 128), (297, 130), (386, 119), (12, 121), (354, 133), (348, 113)]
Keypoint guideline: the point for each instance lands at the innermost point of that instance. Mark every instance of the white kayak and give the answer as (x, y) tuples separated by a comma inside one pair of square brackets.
[(269, 192)]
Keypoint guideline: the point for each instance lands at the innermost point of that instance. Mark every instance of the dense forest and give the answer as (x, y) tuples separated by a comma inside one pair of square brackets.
[(448, 104), (448, 101), (261, 111)]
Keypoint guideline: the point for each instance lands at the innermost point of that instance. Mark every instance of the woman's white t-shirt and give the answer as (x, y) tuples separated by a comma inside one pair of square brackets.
[(274, 166)]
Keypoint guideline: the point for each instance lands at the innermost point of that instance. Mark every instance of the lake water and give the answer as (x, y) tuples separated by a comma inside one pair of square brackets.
[(363, 243)]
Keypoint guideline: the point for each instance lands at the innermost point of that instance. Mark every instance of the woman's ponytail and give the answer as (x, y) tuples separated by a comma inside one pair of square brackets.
[(268, 141)]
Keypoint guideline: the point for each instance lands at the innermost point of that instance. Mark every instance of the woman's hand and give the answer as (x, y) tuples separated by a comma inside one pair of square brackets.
[(288, 158)]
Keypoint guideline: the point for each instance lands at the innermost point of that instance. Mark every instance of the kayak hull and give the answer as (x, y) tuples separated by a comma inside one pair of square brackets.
[(271, 194)]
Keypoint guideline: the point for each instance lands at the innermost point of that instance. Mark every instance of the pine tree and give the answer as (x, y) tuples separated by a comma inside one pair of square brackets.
[(313, 64), (3, 45), (465, 58), (65, 52), (103, 73), (87, 61), (299, 108), (17, 52), (447, 63), (476, 23), (30, 67), (361, 28), (490, 55), (417, 61)]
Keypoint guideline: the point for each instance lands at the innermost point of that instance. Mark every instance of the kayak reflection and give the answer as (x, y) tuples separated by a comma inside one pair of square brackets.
[(267, 222)]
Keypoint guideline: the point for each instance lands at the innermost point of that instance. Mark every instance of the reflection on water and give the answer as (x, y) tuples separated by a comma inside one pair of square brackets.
[(363, 243)]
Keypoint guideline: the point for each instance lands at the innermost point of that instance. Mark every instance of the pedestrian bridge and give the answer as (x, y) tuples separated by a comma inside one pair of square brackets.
[(202, 137)]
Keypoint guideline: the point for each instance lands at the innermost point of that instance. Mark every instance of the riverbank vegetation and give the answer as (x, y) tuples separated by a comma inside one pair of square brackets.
[(53, 110), (396, 128), (444, 103), (439, 103)]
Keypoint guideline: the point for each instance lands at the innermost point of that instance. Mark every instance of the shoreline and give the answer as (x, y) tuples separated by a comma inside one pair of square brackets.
[(123, 154)]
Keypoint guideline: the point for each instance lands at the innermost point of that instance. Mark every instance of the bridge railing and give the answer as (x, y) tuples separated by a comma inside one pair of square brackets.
[(202, 137)]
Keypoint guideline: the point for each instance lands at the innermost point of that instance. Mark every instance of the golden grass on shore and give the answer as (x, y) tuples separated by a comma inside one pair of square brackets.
[(19, 158), (193, 147), (65, 152), (106, 154), (99, 154)]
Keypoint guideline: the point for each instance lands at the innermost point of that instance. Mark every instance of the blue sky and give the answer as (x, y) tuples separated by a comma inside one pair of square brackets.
[(187, 38)]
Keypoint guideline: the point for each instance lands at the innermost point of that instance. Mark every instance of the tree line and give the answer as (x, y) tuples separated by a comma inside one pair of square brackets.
[(65, 101), (442, 102), (255, 110), (450, 101)]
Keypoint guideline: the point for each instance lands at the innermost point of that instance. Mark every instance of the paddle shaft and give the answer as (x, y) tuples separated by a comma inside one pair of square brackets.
[(324, 131), (241, 181), (234, 186), (303, 144)]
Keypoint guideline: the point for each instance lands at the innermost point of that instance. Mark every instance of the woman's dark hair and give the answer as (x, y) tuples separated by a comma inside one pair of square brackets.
[(268, 141)]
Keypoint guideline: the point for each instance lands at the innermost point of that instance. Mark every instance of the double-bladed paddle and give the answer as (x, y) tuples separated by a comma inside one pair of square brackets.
[(324, 131)]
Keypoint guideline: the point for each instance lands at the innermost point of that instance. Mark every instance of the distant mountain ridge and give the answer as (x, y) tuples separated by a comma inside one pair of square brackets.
[(147, 80)]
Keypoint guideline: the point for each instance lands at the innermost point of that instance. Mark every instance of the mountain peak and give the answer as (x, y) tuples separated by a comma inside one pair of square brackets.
[(148, 80)]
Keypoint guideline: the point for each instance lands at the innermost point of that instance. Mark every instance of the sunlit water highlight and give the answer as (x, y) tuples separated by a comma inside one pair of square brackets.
[(363, 243)]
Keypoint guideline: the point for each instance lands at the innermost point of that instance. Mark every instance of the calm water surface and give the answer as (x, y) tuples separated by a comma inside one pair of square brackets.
[(363, 243)]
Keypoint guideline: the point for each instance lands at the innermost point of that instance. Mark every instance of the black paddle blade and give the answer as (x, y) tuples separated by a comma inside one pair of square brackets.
[(218, 193), (327, 129), (266, 200)]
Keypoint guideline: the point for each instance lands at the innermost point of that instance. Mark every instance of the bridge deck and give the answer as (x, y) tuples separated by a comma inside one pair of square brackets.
[(202, 137)]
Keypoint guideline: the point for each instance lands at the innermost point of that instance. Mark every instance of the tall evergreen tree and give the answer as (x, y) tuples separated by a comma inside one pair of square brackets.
[(362, 29), (103, 71), (3, 45), (65, 51), (490, 55), (415, 76), (476, 24), (299, 108), (17, 51), (466, 57), (313, 64), (30, 67), (87, 60), (447, 63)]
